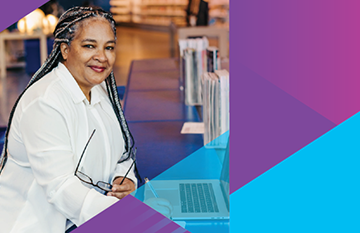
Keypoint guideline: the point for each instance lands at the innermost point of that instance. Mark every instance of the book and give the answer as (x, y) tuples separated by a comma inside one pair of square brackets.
[(193, 64), (213, 59), (216, 114)]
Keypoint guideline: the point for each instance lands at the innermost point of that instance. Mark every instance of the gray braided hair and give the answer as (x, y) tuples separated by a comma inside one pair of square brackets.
[(64, 33)]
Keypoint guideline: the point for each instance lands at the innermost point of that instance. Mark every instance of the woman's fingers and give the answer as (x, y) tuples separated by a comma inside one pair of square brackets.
[(120, 191), (118, 195)]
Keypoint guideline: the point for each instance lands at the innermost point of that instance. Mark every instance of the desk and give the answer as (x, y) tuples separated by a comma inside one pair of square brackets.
[(203, 164), (20, 36), (155, 112)]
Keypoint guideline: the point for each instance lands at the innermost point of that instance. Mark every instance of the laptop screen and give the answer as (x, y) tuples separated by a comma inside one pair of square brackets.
[(224, 177)]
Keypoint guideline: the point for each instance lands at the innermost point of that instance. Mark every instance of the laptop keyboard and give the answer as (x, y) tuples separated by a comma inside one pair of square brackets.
[(197, 198)]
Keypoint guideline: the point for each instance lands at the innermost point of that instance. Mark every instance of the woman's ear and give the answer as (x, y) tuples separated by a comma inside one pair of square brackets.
[(64, 48)]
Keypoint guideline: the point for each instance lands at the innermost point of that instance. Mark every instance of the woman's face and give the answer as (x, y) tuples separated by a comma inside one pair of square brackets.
[(91, 55)]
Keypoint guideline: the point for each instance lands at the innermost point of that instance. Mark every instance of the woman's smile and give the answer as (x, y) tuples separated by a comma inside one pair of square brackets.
[(98, 69)]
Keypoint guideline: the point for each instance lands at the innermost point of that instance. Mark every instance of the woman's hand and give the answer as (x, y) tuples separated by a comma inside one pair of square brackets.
[(120, 191)]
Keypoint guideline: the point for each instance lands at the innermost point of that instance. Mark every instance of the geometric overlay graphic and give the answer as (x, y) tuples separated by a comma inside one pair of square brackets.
[(302, 50), (314, 190), (307, 51), (271, 125), (130, 215), (310, 49)]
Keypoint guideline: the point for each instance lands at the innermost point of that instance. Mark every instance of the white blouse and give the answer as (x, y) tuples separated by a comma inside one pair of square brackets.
[(51, 125)]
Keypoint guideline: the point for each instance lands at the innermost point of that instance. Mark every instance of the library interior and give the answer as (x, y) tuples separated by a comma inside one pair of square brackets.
[(172, 78)]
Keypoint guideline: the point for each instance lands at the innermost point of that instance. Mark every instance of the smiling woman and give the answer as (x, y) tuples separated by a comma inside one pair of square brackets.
[(49, 182)]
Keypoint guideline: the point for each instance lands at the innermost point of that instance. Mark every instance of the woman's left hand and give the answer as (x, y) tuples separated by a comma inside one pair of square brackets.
[(120, 191)]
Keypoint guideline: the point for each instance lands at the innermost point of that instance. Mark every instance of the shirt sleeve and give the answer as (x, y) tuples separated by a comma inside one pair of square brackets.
[(45, 134), (122, 168)]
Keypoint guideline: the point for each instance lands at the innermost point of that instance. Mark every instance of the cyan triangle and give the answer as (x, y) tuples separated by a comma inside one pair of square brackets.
[(314, 190), (205, 163)]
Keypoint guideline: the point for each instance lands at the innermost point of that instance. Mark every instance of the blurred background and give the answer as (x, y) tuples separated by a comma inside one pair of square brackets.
[(146, 29)]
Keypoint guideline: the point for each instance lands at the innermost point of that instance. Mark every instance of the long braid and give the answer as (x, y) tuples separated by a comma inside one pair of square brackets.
[(128, 138), (114, 97), (64, 33)]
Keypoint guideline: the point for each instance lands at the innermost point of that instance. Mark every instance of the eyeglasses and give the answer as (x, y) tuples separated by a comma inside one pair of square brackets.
[(85, 178)]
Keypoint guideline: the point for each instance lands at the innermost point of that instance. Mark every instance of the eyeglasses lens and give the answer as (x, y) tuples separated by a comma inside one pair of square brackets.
[(84, 177), (104, 186)]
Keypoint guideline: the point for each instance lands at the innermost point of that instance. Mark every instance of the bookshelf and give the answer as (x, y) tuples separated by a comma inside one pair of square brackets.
[(163, 12), (121, 10), (219, 12), (152, 12)]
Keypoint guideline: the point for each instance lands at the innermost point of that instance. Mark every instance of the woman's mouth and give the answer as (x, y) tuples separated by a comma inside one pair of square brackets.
[(98, 69)]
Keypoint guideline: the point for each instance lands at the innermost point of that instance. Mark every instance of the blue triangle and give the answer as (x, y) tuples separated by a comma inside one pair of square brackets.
[(205, 163), (314, 190)]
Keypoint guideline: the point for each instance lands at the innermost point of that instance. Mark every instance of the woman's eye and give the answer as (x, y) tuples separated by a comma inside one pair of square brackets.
[(110, 48), (89, 46)]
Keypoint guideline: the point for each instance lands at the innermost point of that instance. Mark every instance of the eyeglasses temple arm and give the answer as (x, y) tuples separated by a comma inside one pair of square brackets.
[(82, 154), (122, 181)]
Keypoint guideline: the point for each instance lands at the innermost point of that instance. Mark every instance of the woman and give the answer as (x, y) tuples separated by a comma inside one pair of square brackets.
[(197, 13), (42, 186)]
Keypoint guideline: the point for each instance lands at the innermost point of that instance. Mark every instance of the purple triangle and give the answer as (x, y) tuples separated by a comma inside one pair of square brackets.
[(130, 215), (12, 11), (268, 126)]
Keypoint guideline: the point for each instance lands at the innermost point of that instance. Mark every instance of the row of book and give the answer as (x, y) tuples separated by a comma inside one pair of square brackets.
[(196, 59), (216, 114), (204, 83)]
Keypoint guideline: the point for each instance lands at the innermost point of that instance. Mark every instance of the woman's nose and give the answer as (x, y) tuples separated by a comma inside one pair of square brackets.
[(100, 56)]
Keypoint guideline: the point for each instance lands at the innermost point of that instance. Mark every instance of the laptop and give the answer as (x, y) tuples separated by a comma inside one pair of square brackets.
[(195, 199)]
